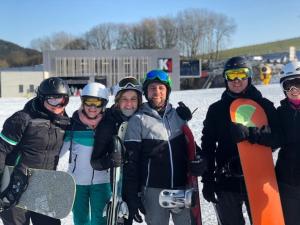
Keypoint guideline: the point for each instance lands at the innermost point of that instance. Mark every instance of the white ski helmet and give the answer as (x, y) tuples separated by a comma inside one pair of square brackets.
[(290, 70), (95, 90)]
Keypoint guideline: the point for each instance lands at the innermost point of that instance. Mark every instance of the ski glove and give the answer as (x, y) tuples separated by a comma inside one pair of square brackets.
[(184, 112), (209, 192), (134, 206), (239, 132), (17, 185), (197, 167)]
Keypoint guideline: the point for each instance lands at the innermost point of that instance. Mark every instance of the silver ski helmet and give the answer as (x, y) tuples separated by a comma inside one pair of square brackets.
[(95, 90)]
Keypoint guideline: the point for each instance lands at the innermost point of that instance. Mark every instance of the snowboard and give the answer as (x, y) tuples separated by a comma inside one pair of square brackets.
[(49, 192), (258, 166), (116, 209)]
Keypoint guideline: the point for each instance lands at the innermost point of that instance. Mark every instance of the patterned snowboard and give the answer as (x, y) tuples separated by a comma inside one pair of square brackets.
[(49, 192), (258, 166)]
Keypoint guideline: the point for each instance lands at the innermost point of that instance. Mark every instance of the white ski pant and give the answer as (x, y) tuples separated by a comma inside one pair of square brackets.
[(156, 215)]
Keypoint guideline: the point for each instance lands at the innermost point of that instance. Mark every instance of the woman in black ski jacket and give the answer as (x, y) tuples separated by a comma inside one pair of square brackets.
[(32, 138), (288, 162)]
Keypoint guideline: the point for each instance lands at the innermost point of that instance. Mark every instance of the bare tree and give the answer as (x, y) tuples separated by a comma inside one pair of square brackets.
[(77, 44), (191, 24), (41, 44), (167, 32), (103, 36), (223, 29), (55, 42)]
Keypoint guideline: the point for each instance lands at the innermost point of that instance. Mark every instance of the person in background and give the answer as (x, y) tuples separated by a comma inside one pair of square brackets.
[(156, 154), (32, 138), (288, 162), (92, 187), (223, 182)]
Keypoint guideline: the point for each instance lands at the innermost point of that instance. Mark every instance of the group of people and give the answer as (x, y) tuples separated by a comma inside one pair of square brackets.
[(156, 148)]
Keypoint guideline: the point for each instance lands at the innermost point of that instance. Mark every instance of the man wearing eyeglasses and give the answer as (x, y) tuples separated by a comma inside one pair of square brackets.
[(156, 155), (32, 138), (223, 182)]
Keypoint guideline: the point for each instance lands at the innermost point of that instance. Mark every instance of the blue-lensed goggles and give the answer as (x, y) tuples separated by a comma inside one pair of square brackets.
[(160, 75)]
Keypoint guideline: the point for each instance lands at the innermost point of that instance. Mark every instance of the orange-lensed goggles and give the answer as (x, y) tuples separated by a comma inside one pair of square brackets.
[(97, 102), (237, 74)]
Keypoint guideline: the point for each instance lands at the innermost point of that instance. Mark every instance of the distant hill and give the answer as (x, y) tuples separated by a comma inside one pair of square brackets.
[(262, 49), (12, 55)]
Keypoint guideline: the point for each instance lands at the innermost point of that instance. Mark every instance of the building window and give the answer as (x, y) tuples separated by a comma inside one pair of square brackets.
[(31, 88), (21, 88)]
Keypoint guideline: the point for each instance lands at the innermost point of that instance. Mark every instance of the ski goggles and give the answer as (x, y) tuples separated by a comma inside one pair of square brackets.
[(159, 75), (130, 82), (291, 85), (57, 100), (96, 102), (237, 74)]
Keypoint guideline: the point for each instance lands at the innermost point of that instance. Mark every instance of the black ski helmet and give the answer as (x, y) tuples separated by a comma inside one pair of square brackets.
[(53, 86), (236, 62)]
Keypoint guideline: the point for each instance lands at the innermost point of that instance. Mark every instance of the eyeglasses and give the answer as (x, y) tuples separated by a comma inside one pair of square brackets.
[(96, 102), (57, 100), (237, 74), (291, 85), (160, 75)]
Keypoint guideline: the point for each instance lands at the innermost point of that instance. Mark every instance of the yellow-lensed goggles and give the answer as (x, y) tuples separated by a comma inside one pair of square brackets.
[(97, 102), (237, 74)]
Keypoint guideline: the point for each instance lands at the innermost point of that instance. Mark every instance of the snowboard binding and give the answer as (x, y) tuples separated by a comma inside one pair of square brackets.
[(177, 200), (13, 186)]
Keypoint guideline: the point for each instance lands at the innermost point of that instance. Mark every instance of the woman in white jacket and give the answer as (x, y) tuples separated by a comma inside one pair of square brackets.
[(92, 186)]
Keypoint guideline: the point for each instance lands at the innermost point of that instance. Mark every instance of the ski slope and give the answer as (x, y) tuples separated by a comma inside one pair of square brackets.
[(200, 99)]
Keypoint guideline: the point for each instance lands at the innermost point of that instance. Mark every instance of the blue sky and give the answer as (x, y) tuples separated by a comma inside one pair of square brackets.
[(258, 21)]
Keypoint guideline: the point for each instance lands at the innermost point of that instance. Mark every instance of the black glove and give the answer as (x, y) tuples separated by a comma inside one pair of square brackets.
[(116, 158), (184, 112), (17, 185), (135, 205), (197, 167), (209, 192), (239, 132)]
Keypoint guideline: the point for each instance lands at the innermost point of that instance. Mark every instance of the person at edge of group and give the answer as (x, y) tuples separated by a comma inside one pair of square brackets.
[(92, 187), (128, 98), (288, 162), (223, 182), (32, 138), (156, 154)]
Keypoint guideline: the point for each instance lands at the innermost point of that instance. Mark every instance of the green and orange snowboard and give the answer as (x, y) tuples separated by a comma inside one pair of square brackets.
[(258, 166)]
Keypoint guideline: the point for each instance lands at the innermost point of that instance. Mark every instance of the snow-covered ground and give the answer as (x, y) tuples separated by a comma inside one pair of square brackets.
[(200, 99)]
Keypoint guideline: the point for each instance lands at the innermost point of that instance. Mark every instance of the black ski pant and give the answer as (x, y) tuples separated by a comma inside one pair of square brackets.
[(290, 199), (229, 208), (17, 216)]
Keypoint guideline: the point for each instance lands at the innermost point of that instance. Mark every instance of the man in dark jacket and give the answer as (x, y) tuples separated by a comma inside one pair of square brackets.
[(223, 183), (156, 154), (32, 138)]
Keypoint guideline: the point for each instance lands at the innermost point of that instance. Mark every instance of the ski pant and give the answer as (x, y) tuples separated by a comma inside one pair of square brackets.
[(229, 208), (156, 215), (290, 199), (17, 216), (89, 203)]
